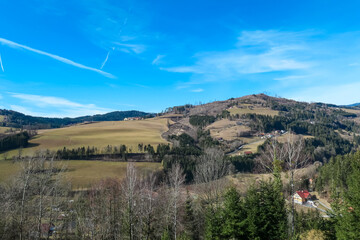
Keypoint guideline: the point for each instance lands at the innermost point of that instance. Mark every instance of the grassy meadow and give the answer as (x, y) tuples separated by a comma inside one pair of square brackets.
[(3, 129), (82, 174), (255, 110), (99, 135)]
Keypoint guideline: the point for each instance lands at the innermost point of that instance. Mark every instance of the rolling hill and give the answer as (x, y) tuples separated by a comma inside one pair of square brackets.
[(9, 118)]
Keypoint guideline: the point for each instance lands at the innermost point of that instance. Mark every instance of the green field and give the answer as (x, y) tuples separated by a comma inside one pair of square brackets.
[(255, 110), (99, 135), (82, 174)]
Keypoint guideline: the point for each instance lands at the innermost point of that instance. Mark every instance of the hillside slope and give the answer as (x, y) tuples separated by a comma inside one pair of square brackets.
[(9, 118)]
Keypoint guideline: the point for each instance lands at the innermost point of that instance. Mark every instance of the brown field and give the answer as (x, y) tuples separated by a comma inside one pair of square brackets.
[(243, 180), (81, 173), (355, 111), (226, 129), (100, 134), (255, 110), (84, 173), (7, 170), (3, 129)]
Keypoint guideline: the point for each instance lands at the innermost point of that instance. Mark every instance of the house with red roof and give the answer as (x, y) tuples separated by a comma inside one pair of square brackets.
[(302, 196)]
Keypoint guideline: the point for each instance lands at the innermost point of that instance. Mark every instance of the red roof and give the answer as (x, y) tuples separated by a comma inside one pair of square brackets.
[(304, 194)]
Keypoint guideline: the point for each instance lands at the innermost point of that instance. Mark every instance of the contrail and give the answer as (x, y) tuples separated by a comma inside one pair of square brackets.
[(53, 56), (2, 67), (107, 57)]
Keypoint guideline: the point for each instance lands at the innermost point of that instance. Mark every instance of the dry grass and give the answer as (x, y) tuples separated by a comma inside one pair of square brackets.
[(3, 129), (8, 169), (255, 110), (2, 118), (243, 180), (100, 134), (285, 137), (226, 129), (355, 111), (82, 174)]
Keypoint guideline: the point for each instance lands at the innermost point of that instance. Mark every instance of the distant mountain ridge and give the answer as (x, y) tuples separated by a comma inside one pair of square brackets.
[(354, 105), (17, 120)]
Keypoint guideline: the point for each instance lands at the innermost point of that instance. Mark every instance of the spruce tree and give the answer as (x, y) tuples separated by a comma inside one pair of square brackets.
[(234, 215), (348, 214), (266, 212)]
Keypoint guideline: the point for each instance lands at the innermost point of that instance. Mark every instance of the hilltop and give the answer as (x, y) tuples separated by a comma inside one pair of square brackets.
[(237, 125)]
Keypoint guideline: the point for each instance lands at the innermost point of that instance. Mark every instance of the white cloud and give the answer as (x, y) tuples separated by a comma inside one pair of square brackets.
[(197, 90), (157, 59), (128, 48), (26, 111), (1, 64), (256, 52), (104, 62), (54, 106), (58, 58), (293, 77)]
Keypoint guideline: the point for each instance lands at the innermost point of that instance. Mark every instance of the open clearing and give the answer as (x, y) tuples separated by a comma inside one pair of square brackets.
[(3, 129), (255, 110), (81, 173), (2, 118), (226, 129), (355, 111), (99, 135)]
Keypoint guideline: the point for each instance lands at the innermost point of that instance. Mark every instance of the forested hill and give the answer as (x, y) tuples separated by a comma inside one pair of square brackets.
[(17, 120)]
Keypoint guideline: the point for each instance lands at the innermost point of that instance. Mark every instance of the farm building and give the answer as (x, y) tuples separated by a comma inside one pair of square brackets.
[(302, 196)]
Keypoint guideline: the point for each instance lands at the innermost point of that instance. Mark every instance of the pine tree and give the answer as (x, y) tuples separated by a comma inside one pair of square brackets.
[(234, 216), (214, 224), (266, 212), (189, 220), (348, 214)]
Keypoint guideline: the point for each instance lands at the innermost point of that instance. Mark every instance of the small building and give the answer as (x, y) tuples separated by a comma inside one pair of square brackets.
[(302, 196), (248, 152)]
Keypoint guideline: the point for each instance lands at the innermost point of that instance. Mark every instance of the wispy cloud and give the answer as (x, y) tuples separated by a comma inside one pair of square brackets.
[(157, 59), (106, 59), (197, 90), (291, 77), (1, 64), (56, 106), (256, 52), (109, 23), (128, 48), (292, 64), (53, 56)]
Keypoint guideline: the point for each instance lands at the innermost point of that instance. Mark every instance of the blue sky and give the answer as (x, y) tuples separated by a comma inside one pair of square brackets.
[(80, 57)]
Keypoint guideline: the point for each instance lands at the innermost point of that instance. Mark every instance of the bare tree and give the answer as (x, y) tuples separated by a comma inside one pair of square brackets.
[(130, 191), (176, 179), (291, 156), (148, 200), (273, 151), (209, 171), (296, 158)]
